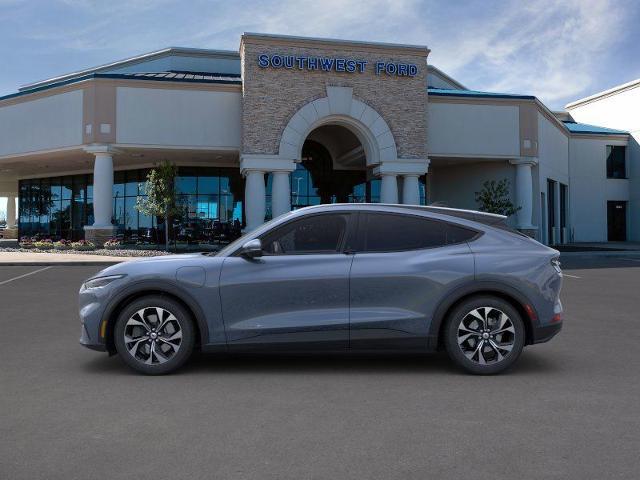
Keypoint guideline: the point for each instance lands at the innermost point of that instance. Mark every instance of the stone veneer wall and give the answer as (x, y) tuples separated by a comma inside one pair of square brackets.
[(271, 96)]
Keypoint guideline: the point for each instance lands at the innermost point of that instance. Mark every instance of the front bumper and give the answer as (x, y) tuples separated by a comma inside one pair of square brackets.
[(86, 341), (91, 313)]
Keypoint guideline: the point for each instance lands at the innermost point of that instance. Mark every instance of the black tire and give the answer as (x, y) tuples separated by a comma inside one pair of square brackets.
[(496, 359), (173, 359)]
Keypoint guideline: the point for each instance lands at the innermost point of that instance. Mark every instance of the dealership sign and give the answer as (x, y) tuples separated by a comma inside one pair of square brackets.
[(335, 64)]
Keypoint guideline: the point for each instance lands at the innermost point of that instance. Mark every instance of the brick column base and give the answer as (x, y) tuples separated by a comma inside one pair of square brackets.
[(9, 233)]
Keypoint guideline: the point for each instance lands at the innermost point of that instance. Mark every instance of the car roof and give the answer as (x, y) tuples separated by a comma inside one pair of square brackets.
[(484, 218)]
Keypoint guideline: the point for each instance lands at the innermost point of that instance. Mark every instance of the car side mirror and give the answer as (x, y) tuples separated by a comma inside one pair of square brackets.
[(252, 249)]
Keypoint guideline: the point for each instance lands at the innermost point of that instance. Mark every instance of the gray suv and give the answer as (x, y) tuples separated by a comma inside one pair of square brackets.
[(349, 277)]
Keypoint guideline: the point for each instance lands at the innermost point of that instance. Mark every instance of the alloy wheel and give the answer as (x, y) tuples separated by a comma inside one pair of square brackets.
[(486, 335), (152, 335)]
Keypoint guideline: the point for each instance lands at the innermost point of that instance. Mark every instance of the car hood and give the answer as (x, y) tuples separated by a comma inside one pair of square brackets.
[(157, 265)]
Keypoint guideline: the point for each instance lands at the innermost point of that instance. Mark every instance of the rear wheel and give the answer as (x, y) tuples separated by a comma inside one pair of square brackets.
[(484, 335), (154, 335)]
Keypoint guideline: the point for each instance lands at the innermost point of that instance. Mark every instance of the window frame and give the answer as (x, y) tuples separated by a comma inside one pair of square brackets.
[(341, 250), (625, 175), (360, 232)]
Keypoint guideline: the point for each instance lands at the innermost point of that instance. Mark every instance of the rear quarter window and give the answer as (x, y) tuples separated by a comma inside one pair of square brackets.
[(387, 232)]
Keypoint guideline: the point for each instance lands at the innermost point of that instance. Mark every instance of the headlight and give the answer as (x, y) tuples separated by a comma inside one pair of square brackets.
[(556, 264), (99, 282)]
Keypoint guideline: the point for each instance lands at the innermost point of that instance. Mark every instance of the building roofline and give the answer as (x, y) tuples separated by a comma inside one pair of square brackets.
[(447, 77), (588, 129), (132, 61), (116, 76), (598, 131), (445, 92), (416, 49), (605, 93)]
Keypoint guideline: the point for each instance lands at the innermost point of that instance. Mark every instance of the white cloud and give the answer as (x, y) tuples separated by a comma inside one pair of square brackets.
[(546, 48)]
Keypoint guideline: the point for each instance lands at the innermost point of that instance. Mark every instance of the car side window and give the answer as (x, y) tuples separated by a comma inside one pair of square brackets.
[(324, 233), (388, 232)]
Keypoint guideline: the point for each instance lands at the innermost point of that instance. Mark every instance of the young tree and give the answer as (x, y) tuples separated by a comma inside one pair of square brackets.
[(494, 198), (161, 198)]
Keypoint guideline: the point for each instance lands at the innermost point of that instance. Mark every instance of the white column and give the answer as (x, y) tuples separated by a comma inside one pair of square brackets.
[(254, 198), (389, 188), (280, 194), (524, 192), (103, 189), (410, 190), (11, 211)]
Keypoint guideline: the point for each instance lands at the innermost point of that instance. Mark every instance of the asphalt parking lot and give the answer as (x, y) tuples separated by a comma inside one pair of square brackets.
[(570, 408)]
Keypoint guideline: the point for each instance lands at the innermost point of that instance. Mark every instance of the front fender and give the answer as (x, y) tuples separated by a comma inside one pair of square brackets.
[(143, 287)]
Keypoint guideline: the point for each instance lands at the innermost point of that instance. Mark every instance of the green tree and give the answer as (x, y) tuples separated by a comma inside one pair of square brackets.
[(161, 197), (494, 198)]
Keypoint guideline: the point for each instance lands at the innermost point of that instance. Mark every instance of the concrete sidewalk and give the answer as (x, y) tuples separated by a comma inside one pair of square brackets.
[(34, 259)]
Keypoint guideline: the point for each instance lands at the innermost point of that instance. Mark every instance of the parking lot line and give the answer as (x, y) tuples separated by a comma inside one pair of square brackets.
[(25, 275), (572, 276)]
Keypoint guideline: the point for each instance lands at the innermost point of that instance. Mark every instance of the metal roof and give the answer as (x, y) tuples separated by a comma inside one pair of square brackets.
[(475, 93), (135, 60), (186, 77), (585, 128)]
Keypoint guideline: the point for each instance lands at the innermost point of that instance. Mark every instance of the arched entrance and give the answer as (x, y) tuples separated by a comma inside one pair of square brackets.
[(333, 149), (332, 169)]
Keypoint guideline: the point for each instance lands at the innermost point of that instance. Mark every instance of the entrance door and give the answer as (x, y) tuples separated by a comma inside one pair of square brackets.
[(297, 294), (551, 211), (617, 221)]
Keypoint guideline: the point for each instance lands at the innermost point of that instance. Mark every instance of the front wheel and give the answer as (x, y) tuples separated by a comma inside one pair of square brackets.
[(154, 335), (484, 335)]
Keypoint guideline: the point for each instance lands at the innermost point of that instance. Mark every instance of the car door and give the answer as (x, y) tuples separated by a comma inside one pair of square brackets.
[(297, 294), (403, 266)]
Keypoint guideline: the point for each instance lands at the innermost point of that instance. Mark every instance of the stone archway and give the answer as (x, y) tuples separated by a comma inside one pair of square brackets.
[(340, 108)]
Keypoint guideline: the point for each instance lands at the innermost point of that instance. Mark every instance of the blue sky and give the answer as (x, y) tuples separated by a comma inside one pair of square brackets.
[(557, 50)]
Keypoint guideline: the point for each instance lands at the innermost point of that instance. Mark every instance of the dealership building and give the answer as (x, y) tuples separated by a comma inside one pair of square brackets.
[(287, 122)]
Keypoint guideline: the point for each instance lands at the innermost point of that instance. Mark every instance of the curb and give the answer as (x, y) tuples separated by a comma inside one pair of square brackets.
[(61, 264), (602, 253)]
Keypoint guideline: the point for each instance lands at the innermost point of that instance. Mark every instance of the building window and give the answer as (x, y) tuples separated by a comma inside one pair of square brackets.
[(210, 198), (616, 161)]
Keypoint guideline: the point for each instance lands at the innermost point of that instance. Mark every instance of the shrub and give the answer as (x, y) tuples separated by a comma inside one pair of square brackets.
[(26, 242), (46, 244), (83, 245), (62, 245), (113, 244)]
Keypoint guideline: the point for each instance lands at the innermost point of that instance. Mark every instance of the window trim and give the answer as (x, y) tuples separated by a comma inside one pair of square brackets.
[(360, 245), (626, 163), (341, 247)]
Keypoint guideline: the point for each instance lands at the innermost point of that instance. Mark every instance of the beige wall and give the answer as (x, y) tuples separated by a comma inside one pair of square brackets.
[(466, 129), (50, 122), (455, 185), (271, 96), (176, 117)]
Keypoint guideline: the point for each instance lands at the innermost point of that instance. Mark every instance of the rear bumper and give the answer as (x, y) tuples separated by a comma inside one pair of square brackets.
[(547, 332)]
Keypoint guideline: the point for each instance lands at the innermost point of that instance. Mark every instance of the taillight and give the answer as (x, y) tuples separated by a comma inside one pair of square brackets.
[(556, 318), (531, 312)]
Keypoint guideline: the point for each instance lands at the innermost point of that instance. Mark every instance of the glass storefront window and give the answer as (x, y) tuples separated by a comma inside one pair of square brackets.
[(211, 199)]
